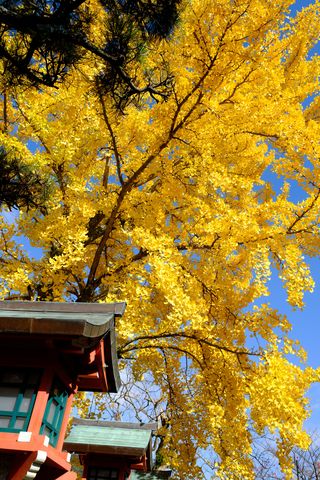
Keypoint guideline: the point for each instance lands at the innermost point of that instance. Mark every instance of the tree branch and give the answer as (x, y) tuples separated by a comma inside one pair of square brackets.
[(134, 346), (113, 139)]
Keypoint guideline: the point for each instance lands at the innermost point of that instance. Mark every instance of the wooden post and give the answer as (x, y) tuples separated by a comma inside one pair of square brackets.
[(67, 476), (41, 402), (19, 470)]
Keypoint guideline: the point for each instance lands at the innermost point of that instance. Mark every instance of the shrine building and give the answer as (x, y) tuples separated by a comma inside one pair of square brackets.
[(114, 450), (48, 352)]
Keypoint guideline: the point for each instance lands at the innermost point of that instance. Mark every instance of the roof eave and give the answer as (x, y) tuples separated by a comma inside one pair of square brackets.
[(104, 449)]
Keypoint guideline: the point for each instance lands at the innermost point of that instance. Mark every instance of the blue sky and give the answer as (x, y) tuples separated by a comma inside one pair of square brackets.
[(306, 322), (306, 328)]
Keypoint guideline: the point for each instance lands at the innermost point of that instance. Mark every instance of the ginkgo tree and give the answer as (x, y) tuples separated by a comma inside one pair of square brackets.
[(169, 208)]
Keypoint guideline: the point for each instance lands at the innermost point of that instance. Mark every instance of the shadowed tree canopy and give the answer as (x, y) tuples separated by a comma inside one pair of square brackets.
[(20, 185), (41, 40), (172, 208)]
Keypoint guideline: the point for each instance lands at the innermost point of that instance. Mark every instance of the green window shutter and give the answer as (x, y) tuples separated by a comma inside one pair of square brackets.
[(18, 391), (54, 413)]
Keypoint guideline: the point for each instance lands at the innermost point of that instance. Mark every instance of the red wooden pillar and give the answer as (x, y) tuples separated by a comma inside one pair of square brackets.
[(68, 476), (20, 470), (41, 401)]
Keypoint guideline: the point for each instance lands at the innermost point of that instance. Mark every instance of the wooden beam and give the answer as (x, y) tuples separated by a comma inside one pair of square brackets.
[(19, 470), (67, 476)]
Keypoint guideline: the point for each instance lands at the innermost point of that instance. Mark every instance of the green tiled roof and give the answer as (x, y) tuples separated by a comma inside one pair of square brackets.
[(88, 437), (88, 320)]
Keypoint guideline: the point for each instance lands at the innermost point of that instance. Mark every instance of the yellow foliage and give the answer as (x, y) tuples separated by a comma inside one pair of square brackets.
[(168, 208)]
